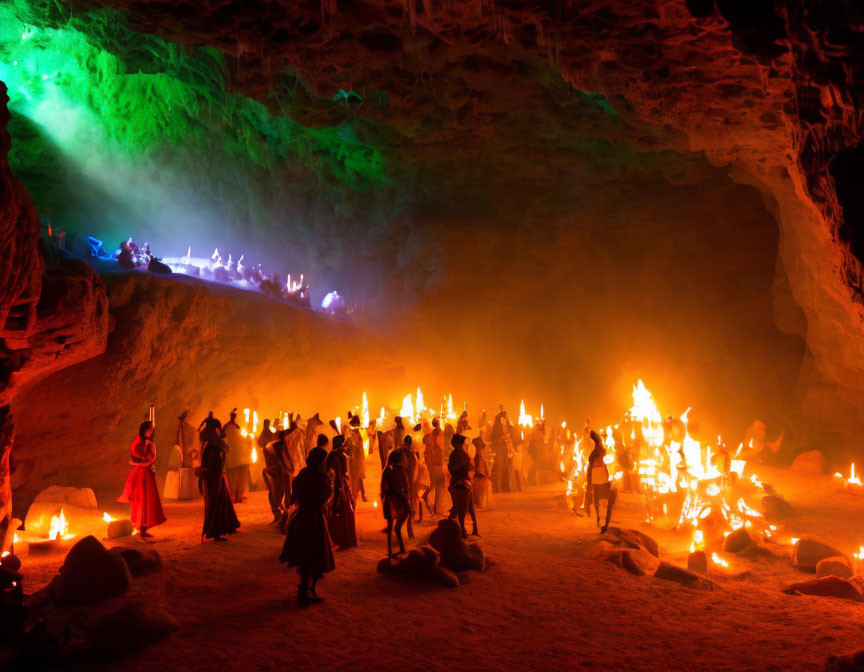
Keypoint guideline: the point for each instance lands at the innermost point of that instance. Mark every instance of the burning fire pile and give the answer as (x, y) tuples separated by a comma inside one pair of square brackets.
[(685, 484)]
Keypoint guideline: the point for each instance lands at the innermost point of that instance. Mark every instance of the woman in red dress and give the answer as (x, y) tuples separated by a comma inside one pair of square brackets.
[(140, 490)]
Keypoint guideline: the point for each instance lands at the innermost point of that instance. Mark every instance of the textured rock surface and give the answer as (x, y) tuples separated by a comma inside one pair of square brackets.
[(810, 462), (828, 586), (807, 553), (836, 566)]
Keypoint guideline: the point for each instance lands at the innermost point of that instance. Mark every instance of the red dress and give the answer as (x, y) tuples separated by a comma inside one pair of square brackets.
[(140, 491)]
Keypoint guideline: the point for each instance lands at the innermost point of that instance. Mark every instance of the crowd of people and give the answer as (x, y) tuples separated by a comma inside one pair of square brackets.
[(315, 473)]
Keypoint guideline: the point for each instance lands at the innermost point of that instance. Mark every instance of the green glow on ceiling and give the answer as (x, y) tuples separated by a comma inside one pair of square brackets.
[(85, 81)]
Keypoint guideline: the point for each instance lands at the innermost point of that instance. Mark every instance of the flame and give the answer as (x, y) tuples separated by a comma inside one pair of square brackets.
[(794, 540), (188, 254), (364, 414), (383, 417), (4, 554), (59, 527), (644, 410), (860, 554), (338, 422), (407, 410), (450, 414), (419, 406), (717, 560), (375, 504), (698, 543), (254, 455), (254, 422), (15, 539), (108, 518), (525, 420), (541, 411)]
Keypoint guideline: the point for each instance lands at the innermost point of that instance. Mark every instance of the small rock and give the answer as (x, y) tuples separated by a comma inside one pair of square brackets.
[(119, 528), (11, 562), (810, 462), (669, 572), (828, 586), (698, 562), (91, 573), (444, 576), (141, 561), (637, 561), (836, 566), (847, 662), (736, 541), (633, 539), (776, 508), (808, 552), (447, 540)]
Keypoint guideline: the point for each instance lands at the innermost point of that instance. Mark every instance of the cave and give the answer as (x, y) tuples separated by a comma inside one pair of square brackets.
[(509, 249)]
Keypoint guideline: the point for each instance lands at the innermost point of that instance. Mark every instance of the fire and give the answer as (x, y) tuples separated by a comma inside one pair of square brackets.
[(450, 414), (419, 406), (382, 418), (698, 543), (253, 456), (108, 518), (717, 560), (860, 554), (59, 527), (375, 504), (364, 413), (525, 420), (644, 410), (407, 410)]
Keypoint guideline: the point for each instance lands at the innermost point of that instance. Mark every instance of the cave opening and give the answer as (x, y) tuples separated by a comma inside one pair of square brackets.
[(582, 277)]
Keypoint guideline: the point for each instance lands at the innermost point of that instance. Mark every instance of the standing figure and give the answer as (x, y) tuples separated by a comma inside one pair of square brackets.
[(266, 436), (312, 425), (520, 446), (385, 446), (422, 482), (219, 515), (340, 513), (409, 459), (237, 460), (461, 474), (462, 425), (395, 490), (186, 441), (434, 454), (307, 542), (599, 482), (278, 473), (357, 456), (502, 450), (482, 477), (140, 490)]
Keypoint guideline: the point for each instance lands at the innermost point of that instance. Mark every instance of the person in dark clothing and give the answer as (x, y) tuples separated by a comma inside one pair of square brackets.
[(599, 481), (461, 471), (385, 446), (266, 436), (340, 512), (395, 492), (502, 452), (278, 467), (219, 516), (307, 541), (482, 480), (434, 456)]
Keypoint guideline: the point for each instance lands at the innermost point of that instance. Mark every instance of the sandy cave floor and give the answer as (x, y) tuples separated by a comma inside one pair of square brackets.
[(541, 606)]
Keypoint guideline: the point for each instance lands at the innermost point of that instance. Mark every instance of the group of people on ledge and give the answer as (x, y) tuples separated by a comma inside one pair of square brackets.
[(314, 477)]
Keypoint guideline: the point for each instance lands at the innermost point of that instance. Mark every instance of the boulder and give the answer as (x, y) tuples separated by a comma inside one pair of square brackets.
[(810, 462), (776, 508), (737, 540), (637, 561), (847, 662), (118, 631), (827, 586), (91, 573), (837, 566), (698, 562), (447, 540), (83, 498), (119, 528), (140, 561), (444, 576), (669, 572), (807, 553), (633, 539)]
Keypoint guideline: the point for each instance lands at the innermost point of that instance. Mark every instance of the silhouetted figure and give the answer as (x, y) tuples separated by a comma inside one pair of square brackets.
[(277, 476), (219, 515), (340, 513), (266, 436), (409, 459), (502, 450), (461, 474), (482, 483), (237, 460), (187, 440), (599, 482), (395, 490), (307, 540), (434, 456), (358, 457), (140, 490)]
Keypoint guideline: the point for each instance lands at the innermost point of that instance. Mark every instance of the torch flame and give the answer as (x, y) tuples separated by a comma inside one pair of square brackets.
[(407, 410), (108, 518), (364, 414), (59, 527), (254, 455), (419, 406)]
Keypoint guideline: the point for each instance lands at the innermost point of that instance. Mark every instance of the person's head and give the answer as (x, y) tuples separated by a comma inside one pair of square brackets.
[(338, 442), (458, 441), (315, 458), (398, 421), (266, 423), (355, 421), (407, 442), (322, 442), (394, 459), (210, 414), (145, 431), (478, 443), (233, 413), (436, 423)]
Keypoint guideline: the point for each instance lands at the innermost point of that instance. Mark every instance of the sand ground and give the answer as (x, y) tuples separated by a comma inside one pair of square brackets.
[(542, 606)]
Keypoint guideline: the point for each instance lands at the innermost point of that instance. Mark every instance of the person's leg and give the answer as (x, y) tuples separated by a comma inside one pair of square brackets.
[(462, 521), (303, 588), (390, 538), (399, 523), (362, 490), (473, 516)]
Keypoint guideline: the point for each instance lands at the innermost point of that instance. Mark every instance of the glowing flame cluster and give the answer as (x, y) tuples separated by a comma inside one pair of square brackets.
[(852, 480), (59, 527)]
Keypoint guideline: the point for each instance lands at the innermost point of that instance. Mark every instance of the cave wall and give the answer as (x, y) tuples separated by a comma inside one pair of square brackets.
[(183, 343)]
